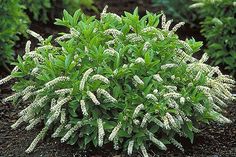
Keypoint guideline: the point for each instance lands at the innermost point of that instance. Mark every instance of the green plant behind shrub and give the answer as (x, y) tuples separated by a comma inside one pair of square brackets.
[(178, 9), (119, 80), (219, 28), (13, 22), (41, 8)]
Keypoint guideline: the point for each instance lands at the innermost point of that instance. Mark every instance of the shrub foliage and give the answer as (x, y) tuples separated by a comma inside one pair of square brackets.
[(219, 27), (120, 80), (13, 22)]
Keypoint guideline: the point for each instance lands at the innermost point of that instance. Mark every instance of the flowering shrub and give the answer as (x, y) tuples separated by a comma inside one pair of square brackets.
[(12, 23), (219, 27), (178, 9), (120, 80)]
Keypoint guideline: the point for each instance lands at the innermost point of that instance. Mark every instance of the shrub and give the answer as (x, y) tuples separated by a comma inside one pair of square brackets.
[(219, 27), (120, 80), (179, 10), (13, 22)]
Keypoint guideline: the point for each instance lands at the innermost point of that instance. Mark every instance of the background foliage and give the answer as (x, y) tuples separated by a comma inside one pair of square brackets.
[(219, 28), (13, 22), (178, 9)]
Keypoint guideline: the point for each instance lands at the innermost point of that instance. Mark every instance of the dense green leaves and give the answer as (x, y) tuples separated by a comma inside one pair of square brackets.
[(13, 22)]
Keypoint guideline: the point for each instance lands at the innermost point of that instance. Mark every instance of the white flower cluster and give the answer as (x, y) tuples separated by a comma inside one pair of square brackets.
[(104, 14), (186, 45), (134, 38), (6, 79), (33, 123), (167, 25), (130, 147), (60, 103), (177, 144), (64, 91), (37, 139), (36, 35), (156, 141), (101, 78), (113, 32), (146, 46), (83, 108), (108, 97), (56, 81), (71, 131), (138, 80), (157, 77), (139, 60), (110, 51), (146, 117), (93, 98), (114, 132), (166, 66), (101, 132), (143, 150), (85, 78), (151, 97), (172, 95), (137, 110)]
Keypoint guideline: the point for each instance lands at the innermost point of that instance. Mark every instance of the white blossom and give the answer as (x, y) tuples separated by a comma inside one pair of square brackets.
[(37, 139), (60, 103), (204, 58), (157, 77), (130, 147), (133, 38), (186, 45), (171, 120), (137, 110), (166, 66), (146, 117), (146, 46), (182, 100), (57, 131), (84, 78), (101, 78), (177, 26), (63, 116), (167, 25), (156, 141), (166, 123), (114, 132), (71, 131), (113, 32), (6, 79), (56, 80), (172, 95), (109, 98), (64, 37), (163, 20), (110, 51), (64, 91), (33, 122), (144, 151), (17, 123), (138, 80), (93, 98), (27, 46), (177, 144), (101, 132), (139, 60), (149, 29), (36, 35), (151, 97), (74, 32), (83, 108), (155, 91)]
